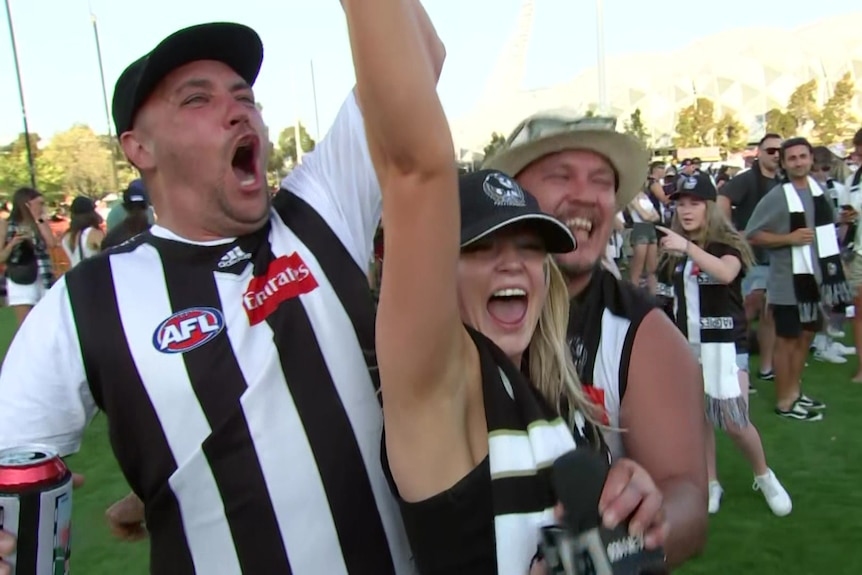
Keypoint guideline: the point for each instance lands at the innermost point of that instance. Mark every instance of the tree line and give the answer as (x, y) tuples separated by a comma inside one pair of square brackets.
[(80, 162), (698, 125)]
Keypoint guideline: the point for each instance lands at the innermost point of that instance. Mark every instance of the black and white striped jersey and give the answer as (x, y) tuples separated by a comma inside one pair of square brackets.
[(603, 323), (238, 379)]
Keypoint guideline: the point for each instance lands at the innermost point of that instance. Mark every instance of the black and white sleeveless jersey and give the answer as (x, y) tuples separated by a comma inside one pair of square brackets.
[(602, 328), (239, 383)]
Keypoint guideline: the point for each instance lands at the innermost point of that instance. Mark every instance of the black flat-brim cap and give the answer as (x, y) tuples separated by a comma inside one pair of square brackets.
[(236, 45), (699, 186), (491, 201)]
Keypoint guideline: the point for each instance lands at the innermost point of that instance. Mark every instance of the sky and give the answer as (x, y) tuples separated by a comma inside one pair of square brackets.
[(60, 68)]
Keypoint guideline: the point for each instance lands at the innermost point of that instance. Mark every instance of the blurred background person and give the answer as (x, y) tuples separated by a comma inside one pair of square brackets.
[(643, 240), (118, 212), (26, 240), (137, 217), (824, 346), (852, 246), (84, 237)]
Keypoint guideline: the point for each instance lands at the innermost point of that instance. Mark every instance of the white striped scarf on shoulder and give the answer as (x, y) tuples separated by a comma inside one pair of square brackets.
[(525, 437), (700, 307), (833, 289)]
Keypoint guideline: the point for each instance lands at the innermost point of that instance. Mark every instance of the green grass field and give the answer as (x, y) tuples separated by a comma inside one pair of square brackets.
[(819, 463)]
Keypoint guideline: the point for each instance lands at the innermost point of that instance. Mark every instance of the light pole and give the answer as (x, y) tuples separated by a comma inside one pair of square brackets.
[(30, 161), (600, 53), (111, 143)]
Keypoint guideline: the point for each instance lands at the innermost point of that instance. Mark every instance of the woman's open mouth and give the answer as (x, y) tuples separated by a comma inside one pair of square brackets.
[(508, 306)]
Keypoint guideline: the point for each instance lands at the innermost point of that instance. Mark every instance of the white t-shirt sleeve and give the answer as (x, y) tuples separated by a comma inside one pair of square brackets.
[(45, 396), (338, 180)]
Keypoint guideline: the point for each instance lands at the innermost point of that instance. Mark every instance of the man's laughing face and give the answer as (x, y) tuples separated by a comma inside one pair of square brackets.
[(579, 188)]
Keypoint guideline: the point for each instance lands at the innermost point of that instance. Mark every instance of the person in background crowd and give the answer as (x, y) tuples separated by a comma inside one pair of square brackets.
[(851, 208), (25, 241), (795, 223), (633, 360), (136, 206), (643, 239), (824, 346), (721, 179), (737, 199), (656, 190), (231, 345), (84, 237), (118, 212), (700, 277)]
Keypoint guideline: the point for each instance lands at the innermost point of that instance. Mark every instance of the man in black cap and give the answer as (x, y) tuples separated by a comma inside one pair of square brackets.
[(136, 216), (118, 212), (231, 345)]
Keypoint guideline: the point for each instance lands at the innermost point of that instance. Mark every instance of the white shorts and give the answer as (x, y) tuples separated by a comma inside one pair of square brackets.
[(17, 294)]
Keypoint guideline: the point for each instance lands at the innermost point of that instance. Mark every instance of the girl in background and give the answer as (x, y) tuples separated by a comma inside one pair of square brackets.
[(700, 285)]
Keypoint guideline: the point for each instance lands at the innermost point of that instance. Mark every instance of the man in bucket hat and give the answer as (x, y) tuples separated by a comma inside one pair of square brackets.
[(631, 357)]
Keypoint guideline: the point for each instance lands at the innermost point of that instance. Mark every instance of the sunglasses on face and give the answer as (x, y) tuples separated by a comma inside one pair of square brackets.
[(772, 151), (824, 169)]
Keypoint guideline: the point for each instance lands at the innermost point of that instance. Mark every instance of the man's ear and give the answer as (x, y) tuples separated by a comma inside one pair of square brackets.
[(137, 150)]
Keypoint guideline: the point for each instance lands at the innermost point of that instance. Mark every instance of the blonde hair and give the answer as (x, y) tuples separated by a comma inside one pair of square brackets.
[(551, 368), (717, 230)]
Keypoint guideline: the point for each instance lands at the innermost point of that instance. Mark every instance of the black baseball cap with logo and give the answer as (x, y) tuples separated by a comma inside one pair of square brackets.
[(491, 201), (236, 45), (697, 186)]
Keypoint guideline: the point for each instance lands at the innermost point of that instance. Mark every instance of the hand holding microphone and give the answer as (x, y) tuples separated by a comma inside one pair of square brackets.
[(612, 521)]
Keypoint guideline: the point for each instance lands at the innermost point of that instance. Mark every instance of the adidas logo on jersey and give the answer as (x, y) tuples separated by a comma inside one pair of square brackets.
[(233, 257)]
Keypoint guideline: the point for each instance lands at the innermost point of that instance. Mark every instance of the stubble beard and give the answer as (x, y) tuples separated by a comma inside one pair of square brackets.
[(238, 224)]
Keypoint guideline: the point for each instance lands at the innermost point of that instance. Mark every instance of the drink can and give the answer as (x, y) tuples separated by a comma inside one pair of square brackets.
[(36, 507)]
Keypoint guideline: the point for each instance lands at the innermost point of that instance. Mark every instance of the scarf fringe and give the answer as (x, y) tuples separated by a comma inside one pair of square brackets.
[(836, 294), (725, 413), (809, 312)]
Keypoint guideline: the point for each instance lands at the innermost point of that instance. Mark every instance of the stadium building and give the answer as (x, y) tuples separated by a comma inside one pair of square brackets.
[(735, 69)]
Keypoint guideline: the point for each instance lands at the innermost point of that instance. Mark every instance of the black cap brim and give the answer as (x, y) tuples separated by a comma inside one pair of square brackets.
[(235, 45), (556, 236)]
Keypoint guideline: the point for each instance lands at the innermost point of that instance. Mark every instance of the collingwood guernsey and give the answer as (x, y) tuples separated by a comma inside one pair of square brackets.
[(238, 379)]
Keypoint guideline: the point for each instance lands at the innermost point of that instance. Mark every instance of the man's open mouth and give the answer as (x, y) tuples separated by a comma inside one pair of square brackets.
[(244, 161)]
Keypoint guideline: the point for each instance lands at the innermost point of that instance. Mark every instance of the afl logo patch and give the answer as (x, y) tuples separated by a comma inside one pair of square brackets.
[(188, 329)]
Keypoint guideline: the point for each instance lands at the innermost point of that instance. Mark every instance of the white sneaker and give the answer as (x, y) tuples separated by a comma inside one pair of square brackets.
[(715, 493), (832, 332), (829, 355), (840, 349), (776, 496)]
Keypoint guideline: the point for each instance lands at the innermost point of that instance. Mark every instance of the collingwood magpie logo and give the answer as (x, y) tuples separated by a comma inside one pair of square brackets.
[(579, 356), (233, 257), (503, 190)]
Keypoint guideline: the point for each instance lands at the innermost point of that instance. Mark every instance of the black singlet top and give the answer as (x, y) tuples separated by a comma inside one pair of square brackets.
[(438, 549)]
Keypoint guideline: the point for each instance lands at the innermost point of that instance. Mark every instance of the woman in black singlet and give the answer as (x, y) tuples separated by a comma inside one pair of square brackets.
[(469, 439)]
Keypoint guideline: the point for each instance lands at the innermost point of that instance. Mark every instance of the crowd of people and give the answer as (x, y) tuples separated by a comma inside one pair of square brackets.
[(35, 248), (248, 374), (775, 243)]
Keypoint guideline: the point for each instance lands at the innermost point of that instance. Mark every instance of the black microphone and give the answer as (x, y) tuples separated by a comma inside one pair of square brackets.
[(583, 546)]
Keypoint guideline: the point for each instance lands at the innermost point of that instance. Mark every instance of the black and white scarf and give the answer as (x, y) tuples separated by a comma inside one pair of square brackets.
[(525, 437), (833, 289), (700, 307)]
